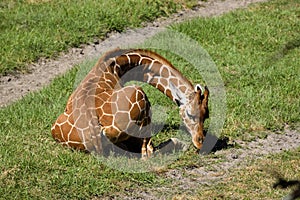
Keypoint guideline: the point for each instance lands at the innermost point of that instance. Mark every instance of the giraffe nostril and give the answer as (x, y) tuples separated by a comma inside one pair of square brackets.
[(200, 140)]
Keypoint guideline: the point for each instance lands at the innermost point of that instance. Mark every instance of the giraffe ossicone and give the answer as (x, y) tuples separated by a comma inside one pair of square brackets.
[(104, 111), (198, 87)]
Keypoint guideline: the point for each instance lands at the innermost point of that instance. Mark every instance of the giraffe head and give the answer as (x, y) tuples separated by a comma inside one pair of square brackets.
[(194, 112)]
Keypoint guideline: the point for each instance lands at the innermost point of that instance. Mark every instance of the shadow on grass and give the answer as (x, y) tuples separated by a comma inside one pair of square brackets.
[(283, 51), (282, 183), (212, 144)]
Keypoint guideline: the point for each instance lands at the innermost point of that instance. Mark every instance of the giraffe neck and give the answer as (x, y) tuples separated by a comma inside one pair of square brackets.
[(147, 66)]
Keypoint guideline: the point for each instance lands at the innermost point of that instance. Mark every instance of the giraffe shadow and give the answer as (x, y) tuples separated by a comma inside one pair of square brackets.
[(172, 145), (222, 143), (131, 148), (213, 144), (283, 51), (175, 145)]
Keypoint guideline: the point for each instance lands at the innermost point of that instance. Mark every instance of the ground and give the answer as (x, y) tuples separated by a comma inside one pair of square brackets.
[(13, 87)]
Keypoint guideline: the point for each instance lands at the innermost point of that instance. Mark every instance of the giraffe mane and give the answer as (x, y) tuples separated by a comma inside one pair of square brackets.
[(162, 60)]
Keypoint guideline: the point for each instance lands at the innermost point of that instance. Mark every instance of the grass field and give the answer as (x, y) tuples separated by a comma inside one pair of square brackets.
[(33, 29), (256, 181), (258, 58)]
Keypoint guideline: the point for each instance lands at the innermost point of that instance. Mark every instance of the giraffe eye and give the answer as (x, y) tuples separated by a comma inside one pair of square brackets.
[(191, 116)]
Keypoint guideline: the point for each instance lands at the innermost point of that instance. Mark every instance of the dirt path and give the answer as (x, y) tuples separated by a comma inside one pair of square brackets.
[(41, 73)]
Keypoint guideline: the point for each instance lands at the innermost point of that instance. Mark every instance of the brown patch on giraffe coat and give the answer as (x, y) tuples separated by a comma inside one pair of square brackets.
[(74, 136), (169, 93), (156, 67), (165, 72), (123, 105), (164, 81), (134, 58), (140, 95), (66, 127), (99, 112), (106, 120), (91, 101), (182, 88), (160, 87), (106, 108), (146, 61), (122, 61), (175, 81), (79, 100), (81, 121), (134, 112), (121, 120)]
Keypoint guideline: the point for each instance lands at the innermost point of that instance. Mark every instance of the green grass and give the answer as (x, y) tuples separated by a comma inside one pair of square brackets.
[(34, 166), (33, 29), (257, 57), (256, 180)]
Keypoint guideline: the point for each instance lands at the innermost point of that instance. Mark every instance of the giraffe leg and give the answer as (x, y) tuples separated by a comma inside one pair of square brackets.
[(147, 148), (144, 149), (150, 148)]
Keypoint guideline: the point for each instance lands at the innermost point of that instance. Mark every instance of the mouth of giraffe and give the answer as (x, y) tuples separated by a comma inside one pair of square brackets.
[(198, 141)]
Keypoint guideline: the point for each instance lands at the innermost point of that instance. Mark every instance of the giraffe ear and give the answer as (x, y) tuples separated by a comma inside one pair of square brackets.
[(205, 96), (206, 92), (198, 88)]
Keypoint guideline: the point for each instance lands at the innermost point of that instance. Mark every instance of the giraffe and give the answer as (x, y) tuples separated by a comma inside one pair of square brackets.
[(104, 110)]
